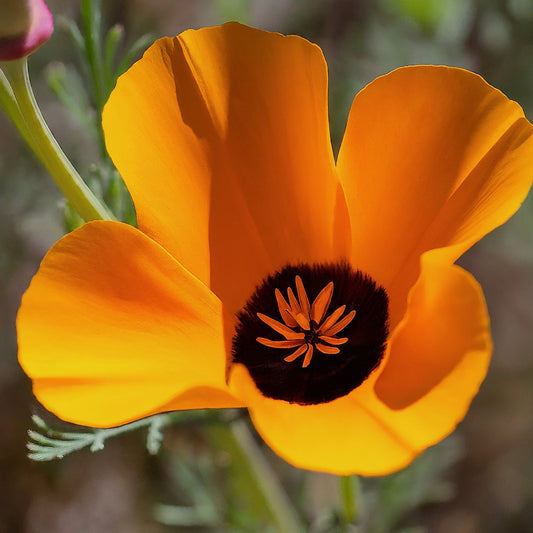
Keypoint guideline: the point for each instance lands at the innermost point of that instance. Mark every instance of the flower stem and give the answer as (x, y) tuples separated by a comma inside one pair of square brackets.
[(10, 106), (44, 144), (350, 501), (91, 11), (274, 494)]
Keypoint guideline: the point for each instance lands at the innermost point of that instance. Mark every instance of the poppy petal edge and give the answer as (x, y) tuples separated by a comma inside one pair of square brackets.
[(130, 331)]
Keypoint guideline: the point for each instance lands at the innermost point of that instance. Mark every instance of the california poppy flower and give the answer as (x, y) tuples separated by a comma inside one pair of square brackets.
[(321, 295)]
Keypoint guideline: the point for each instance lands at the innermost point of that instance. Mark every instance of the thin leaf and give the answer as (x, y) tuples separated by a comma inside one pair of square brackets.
[(113, 39)]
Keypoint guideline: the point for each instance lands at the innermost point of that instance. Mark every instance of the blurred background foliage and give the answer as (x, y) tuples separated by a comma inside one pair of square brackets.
[(479, 480)]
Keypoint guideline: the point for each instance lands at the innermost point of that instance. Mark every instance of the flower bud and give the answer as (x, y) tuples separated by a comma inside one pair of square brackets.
[(24, 26)]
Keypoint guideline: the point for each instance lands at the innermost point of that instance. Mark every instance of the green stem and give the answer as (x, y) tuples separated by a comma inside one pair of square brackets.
[(46, 147), (273, 492), (91, 19), (10, 106), (350, 501), (91, 16)]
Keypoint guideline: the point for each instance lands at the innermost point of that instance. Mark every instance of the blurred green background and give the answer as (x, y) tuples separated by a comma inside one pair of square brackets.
[(480, 480)]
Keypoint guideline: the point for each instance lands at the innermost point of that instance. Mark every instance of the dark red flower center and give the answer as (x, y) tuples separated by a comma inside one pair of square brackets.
[(312, 333)]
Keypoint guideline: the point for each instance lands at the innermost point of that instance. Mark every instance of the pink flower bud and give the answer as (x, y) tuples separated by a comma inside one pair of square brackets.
[(24, 26)]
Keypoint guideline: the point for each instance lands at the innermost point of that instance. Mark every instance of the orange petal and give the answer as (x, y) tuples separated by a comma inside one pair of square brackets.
[(359, 434), (432, 157), (222, 137), (112, 328), (446, 322)]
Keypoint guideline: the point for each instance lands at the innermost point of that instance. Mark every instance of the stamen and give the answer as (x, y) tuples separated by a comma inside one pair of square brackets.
[(333, 340), (341, 324), (289, 313), (294, 355), (308, 356), (326, 349), (295, 306), (321, 303), (299, 331), (284, 310), (302, 295), (303, 321), (279, 327), (279, 344), (332, 318)]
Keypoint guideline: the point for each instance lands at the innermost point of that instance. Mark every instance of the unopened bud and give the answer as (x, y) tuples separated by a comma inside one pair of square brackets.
[(24, 26)]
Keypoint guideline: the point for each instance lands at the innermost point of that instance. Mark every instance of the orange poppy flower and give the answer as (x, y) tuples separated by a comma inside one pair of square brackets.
[(321, 295)]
